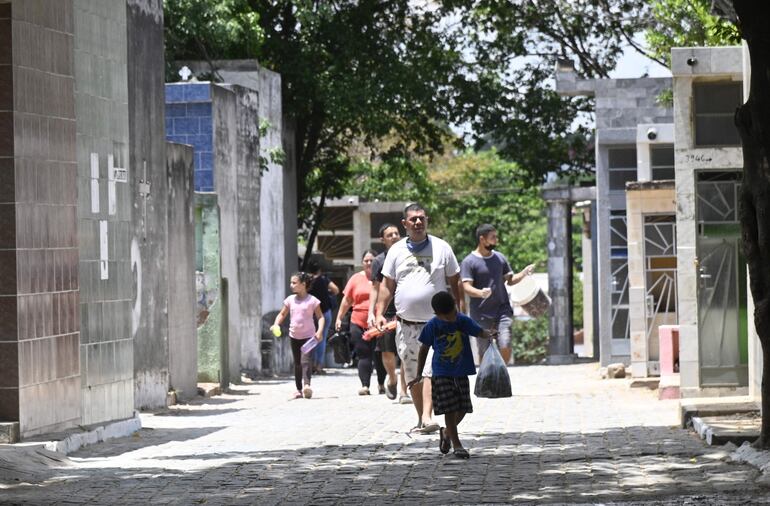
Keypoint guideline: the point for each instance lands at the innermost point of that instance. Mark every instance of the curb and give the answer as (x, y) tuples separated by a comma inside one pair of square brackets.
[(92, 435)]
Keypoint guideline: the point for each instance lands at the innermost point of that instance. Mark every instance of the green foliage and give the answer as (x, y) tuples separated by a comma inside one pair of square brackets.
[(687, 23), (201, 29), (477, 188), (529, 339), (396, 179)]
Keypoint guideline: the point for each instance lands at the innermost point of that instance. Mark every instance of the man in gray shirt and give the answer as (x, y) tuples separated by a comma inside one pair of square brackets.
[(483, 273)]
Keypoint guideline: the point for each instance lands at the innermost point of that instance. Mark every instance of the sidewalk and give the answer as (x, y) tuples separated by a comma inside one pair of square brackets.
[(565, 437)]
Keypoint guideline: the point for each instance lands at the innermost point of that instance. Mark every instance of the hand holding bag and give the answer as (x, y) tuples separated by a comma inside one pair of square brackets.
[(492, 380)]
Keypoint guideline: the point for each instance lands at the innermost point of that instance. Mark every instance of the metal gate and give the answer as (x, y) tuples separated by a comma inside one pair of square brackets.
[(722, 309), (619, 283), (660, 272)]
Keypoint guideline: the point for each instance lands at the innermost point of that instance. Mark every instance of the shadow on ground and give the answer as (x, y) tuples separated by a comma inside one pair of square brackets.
[(644, 464)]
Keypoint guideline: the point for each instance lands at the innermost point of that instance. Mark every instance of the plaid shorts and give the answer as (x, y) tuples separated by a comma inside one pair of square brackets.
[(451, 394)]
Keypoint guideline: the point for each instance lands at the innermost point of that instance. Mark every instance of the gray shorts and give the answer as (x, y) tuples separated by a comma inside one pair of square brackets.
[(503, 326), (408, 349)]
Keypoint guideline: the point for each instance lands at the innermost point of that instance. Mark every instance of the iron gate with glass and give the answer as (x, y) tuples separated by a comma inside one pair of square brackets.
[(722, 299), (660, 272)]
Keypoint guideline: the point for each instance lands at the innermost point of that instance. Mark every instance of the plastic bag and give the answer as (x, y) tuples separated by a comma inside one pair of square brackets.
[(340, 343), (492, 380)]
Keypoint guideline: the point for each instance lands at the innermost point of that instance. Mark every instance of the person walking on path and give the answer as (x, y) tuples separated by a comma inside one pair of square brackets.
[(415, 269), (322, 289), (447, 335), (389, 235), (484, 273), (301, 307), (356, 294)]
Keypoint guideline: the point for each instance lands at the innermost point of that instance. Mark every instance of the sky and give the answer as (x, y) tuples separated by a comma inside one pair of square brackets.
[(633, 64)]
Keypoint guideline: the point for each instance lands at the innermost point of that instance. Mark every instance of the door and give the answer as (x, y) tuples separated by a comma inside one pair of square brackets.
[(722, 309), (660, 277)]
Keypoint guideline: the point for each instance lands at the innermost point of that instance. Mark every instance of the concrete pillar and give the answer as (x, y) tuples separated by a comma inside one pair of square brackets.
[(560, 347)]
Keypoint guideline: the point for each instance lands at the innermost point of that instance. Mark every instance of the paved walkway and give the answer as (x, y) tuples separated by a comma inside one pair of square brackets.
[(566, 436)]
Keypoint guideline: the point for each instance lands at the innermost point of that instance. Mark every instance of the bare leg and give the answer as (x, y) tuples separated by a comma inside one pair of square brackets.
[(427, 401), (402, 380), (452, 420), (506, 354), (416, 391), (389, 361)]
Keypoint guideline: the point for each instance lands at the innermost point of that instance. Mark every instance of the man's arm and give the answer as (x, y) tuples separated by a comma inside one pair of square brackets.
[(421, 356), (515, 278), (454, 285), (478, 293), (373, 294), (387, 288)]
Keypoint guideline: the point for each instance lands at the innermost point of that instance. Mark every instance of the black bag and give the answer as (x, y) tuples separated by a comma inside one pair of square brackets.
[(492, 380), (340, 343)]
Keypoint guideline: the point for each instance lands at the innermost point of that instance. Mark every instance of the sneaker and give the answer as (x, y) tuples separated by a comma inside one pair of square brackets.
[(380, 389), (391, 391), (297, 395), (363, 391), (405, 399), (307, 392)]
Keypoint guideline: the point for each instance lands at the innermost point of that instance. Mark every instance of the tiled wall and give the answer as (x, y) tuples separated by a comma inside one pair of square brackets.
[(39, 337), (104, 211), (188, 121)]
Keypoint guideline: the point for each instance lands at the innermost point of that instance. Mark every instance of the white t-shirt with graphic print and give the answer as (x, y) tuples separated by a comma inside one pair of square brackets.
[(419, 276)]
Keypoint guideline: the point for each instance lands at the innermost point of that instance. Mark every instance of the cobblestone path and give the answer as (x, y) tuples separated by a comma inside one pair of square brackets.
[(565, 437)]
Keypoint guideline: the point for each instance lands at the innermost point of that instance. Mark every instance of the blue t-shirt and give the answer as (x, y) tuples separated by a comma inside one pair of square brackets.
[(487, 272), (452, 355)]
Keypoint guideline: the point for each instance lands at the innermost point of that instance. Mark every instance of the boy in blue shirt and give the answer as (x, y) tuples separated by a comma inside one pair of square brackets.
[(447, 333)]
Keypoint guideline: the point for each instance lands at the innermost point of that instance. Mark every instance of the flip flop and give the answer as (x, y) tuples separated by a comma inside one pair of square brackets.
[(416, 428), (429, 428), (462, 453), (444, 444)]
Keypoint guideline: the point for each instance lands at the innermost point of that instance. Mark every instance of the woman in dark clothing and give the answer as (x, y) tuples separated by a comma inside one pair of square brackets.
[(322, 289)]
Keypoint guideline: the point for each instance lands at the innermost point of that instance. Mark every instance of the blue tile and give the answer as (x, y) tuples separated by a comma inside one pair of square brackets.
[(197, 92), (206, 126), (207, 160), (169, 125), (201, 142), (187, 126), (204, 180), (181, 139), (176, 110), (175, 93), (199, 109), (197, 161)]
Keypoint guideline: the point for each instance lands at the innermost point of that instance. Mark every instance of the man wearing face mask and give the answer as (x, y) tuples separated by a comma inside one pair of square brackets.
[(483, 273)]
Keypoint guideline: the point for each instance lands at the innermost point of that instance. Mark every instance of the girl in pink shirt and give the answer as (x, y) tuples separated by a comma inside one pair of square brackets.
[(301, 307)]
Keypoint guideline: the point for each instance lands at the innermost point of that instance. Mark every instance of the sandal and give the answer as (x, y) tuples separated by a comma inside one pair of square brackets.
[(429, 428), (444, 444), (416, 428), (462, 453)]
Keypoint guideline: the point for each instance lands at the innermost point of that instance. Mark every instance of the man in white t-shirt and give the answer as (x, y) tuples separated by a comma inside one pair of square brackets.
[(415, 269)]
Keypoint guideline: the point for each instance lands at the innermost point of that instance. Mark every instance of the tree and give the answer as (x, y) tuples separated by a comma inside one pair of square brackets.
[(753, 122), (686, 23)]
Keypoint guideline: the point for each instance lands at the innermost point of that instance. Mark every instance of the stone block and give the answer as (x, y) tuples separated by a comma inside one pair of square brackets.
[(9, 432), (616, 371)]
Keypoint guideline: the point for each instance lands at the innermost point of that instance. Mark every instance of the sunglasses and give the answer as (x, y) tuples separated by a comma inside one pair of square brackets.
[(414, 219)]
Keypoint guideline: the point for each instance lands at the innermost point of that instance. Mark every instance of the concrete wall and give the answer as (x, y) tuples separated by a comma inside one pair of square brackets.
[(39, 316), (149, 187), (724, 63), (621, 105), (182, 338), (643, 199), (104, 211)]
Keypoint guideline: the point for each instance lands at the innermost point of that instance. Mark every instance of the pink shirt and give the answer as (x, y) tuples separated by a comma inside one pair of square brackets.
[(301, 324)]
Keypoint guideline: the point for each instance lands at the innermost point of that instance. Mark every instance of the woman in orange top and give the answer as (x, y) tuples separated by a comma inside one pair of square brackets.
[(356, 294)]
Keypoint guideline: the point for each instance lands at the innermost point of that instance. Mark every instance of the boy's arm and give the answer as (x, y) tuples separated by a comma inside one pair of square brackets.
[(421, 356)]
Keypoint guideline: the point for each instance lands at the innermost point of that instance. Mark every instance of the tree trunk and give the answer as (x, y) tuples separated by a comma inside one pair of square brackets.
[(319, 213), (753, 122)]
